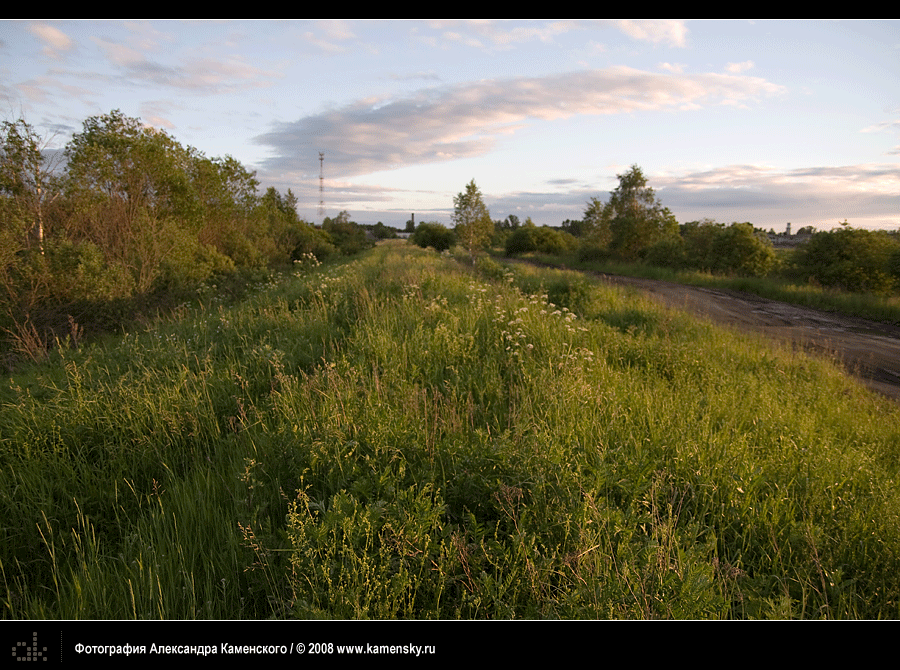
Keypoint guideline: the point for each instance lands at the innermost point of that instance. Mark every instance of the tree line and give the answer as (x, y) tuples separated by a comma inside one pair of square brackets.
[(125, 215), (634, 226)]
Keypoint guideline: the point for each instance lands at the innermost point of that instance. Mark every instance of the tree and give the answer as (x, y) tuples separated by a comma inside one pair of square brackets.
[(434, 235), (635, 217), (227, 196), (27, 182), (473, 224), (132, 189), (530, 238), (595, 224), (383, 232), (852, 259), (742, 250), (511, 222), (348, 236)]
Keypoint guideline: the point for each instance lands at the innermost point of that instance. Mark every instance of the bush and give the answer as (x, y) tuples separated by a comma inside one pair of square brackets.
[(190, 263), (594, 250), (851, 259), (735, 249), (79, 271), (668, 252), (434, 235), (309, 240), (348, 236), (739, 250), (544, 240)]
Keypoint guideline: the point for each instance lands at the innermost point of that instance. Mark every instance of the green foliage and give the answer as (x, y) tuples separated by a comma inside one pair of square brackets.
[(134, 215), (309, 240), (595, 226), (852, 259), (745, 252), (383, 232), (634, 216), (228, 202), (391, 437), (737, 249), (472, 220), (530, 238), (348, 236), (79, 271), (131, 168), (669, 252), (27, 184), (434, 235)]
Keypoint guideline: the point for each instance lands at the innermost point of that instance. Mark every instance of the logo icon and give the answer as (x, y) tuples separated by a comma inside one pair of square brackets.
[(22, 652)]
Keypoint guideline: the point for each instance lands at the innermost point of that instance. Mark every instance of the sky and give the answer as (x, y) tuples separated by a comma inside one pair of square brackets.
[(733, 120)]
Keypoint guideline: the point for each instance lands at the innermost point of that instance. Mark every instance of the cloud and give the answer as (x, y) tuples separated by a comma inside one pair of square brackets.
[(504, 34), (737, 68), (466, 120), (501, 35), (864, 194), (673, 33), (198, 75), (56, 41), (677, 68)]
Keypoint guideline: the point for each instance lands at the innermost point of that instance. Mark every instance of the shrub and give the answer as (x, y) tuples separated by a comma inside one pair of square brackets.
[(309, 240), (739, 250), (851, 259), (79, 271), (434, 235), (348, 236), (668, 252), (544, 239), (594, 250), (735, 249)]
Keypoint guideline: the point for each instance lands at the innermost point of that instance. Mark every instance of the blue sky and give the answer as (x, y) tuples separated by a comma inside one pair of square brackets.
[(762, 121)]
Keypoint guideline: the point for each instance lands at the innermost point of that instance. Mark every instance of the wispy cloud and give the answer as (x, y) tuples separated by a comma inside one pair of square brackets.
[(503, 35), (466, 120), (330, 36), (56, 42), (495, 35), (206, 75), (670, 32), (820, 196), (737, 68), (677, 68)]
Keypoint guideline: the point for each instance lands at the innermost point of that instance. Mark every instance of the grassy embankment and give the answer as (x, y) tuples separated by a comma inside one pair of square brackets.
[(398, 436), (884, 308)]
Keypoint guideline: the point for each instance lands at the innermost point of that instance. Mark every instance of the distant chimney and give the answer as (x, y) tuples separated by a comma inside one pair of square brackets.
[(788, 233)]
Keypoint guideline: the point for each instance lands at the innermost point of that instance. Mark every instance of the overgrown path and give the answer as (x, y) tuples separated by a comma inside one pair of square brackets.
[(868, 349)]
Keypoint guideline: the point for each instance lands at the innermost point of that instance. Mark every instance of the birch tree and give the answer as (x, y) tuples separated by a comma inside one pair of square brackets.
[(472, 220)]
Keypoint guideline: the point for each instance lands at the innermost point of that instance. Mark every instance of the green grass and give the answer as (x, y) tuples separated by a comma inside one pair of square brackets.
[(884, 308), (406, 436)]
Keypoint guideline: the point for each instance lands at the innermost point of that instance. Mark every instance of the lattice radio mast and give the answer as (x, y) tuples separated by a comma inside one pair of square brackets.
[(321, 183)]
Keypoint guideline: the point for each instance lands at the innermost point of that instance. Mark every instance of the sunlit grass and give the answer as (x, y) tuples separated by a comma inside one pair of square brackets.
[(885, 308), (405, 436)]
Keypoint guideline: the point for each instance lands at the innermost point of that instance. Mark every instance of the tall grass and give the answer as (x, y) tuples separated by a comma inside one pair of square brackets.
[(783, 287), (403, 436)]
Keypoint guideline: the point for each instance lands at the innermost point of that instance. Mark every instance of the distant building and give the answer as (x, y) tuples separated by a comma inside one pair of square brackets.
[(787, 241)]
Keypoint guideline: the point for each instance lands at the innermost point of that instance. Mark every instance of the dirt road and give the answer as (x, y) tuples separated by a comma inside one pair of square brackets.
[(868, 349)]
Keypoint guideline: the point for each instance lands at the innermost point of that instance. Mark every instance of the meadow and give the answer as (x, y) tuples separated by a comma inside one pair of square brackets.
[(785, 286), (403, 434)]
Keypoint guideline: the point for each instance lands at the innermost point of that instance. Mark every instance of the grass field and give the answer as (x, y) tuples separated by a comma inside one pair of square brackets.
[(407, 436), (781, 287)]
